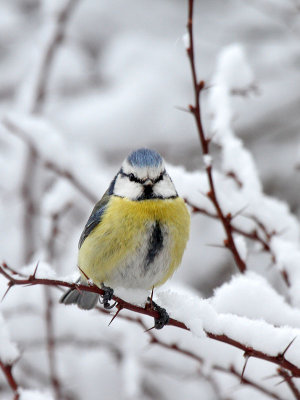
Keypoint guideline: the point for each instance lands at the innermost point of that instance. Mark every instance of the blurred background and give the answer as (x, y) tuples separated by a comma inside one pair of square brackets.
[(84, 82)]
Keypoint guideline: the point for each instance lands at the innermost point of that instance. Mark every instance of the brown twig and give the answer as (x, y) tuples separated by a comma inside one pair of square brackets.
[(196, 111), (40, 85), (50, 52), (279, 360), (7, 370), (174, 347), (252, 235), (289, 380), (50, 339), (30, 205), (55, 217), (49, 164)]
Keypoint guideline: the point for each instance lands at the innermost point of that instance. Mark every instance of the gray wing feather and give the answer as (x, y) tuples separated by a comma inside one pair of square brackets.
[(95, 217), (84, 300)]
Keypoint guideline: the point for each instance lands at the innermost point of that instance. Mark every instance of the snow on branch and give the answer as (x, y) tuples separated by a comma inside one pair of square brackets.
[(198, 86), (34, 92), (256, 338), (44, 143)]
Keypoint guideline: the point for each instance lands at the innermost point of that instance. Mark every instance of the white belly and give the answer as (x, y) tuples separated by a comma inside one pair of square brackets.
[(135, 272)]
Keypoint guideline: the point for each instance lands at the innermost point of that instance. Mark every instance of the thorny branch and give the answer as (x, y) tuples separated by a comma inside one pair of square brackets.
[(7, 370), (50, 339), (289, 380), (49, 316), (279, 360), (50, 51), (39, 96), (253, 235), (196, 111), (174, 347), (49, 164)]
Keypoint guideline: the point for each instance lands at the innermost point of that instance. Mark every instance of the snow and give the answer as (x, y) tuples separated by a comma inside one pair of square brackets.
[(241, 246), (8, 350), (34, 395), (48, 141), (199, 315), (207, 159), (41, 269), (116, 84), (134, 296), (250, 295), (233, 68), (186, 40)]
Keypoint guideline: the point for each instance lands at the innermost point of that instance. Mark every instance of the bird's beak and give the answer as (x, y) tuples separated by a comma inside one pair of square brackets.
[(148, 182)]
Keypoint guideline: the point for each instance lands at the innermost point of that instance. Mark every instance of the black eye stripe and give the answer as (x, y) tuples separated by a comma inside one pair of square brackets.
[(160, 178), (133, 178)]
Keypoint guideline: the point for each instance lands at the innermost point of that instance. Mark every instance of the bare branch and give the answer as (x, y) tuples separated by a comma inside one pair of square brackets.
[(49, 164), (7, 370), (288, 379), (50, 339), (49, 55), (196, 111)]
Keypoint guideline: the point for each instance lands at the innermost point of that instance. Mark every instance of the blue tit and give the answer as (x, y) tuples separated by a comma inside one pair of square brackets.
[(136, 234)]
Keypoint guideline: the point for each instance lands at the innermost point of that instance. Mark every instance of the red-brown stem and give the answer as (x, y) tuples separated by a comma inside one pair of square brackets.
[(253, 235), (7, 370), (49, 56), (174, 347), (50, 339), (288, 379), (196, 111), (49, 164), (279, 360)]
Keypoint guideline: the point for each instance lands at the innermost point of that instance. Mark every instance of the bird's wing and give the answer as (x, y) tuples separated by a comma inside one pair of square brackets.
[(95, 217)]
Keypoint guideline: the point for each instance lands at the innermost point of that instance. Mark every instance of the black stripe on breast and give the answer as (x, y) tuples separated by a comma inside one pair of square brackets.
[(155, 245)]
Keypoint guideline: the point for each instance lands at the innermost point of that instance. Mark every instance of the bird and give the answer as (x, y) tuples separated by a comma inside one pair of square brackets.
[(136, 234)]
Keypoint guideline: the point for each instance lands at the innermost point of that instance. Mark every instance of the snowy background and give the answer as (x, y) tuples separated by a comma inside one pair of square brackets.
[(71, 110)]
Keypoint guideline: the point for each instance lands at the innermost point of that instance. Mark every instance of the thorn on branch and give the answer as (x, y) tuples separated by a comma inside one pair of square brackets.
[(10, 285), (289, 380), (119, 307), (191, 108), (246, 356), (282, 355), (200, 86), (33, 276)]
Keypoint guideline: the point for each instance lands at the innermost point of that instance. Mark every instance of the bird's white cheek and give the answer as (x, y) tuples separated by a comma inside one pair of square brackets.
[(164, 188), (125, 188)]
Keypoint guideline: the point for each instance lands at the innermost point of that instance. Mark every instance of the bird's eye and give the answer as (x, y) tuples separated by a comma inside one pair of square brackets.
[(131, 177), (161, 177)]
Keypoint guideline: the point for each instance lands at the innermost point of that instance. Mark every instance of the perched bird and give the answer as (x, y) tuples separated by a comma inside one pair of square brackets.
[(136, 234)]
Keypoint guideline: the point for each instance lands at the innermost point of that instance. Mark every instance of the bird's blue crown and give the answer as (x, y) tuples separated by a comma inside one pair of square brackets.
[(144, 158)]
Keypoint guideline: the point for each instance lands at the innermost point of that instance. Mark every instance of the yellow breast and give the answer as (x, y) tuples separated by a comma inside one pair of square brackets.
[(122, 229)]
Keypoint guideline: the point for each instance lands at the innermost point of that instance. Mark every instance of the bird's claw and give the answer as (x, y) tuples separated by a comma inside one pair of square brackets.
[(163, 318), (106, 297)]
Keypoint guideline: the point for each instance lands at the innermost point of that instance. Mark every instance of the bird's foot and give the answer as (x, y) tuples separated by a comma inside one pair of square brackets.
[(106, 297), (163, 318)]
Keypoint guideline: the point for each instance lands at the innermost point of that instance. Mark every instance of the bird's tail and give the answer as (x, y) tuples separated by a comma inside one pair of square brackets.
[(84, 300)]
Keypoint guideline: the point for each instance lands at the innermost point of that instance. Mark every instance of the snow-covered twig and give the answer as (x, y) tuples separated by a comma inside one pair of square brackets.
[(49, 53), (47, 163), (154, 339), (196, 111), (252, 235), (278, 359)]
